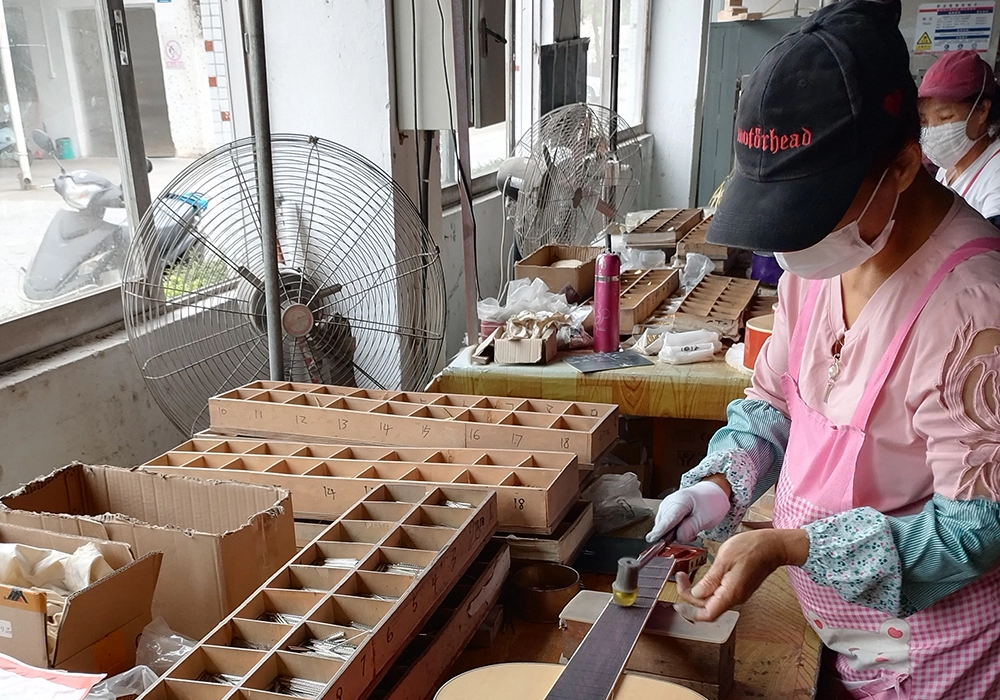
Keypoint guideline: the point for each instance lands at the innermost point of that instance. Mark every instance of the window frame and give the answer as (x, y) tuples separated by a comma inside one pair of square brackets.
[(485, 182), (64, 322)]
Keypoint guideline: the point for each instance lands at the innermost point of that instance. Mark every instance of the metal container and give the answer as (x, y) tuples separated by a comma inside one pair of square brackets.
[(607, 293), (542, 590)]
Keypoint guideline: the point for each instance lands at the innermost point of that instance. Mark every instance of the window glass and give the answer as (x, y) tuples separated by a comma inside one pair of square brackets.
[(487, 150), (67, 234), (632, 45)]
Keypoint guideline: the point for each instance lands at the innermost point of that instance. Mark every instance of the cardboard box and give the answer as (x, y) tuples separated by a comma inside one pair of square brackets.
[(100, 623), (542, 265), (527, 351), (220, 540)]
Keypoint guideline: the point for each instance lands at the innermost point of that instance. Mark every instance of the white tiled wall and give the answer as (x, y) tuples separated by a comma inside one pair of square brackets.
[(218, 79)]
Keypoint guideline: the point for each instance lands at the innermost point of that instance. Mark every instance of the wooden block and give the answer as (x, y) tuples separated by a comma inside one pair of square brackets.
[(380, 611), (699, 656), (563, 545), (527, 351), (420, 668), (536, 489), (366, 416)]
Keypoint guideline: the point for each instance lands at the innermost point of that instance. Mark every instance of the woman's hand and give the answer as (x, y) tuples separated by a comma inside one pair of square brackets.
[(742, 564)]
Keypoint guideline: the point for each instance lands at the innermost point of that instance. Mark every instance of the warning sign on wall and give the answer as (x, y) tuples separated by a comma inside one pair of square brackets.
[(954, 26)]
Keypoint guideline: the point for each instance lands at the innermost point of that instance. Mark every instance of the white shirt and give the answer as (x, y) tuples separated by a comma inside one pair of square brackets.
[(979, 184)]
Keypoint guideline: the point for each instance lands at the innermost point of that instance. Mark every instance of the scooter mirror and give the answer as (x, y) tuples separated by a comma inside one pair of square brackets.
[(43, 141), (149, 165)]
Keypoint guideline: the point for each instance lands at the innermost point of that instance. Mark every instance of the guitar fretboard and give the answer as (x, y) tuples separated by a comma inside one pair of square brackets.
[(593, 671)]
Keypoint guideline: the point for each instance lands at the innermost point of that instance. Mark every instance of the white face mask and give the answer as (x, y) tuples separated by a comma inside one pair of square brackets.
[(842, 250), (946, 144)]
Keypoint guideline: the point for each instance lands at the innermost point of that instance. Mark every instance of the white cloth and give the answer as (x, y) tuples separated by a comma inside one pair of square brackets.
[(979, 184), (57, 573)]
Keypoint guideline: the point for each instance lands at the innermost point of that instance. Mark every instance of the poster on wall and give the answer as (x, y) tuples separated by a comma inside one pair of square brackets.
[(954, 26)]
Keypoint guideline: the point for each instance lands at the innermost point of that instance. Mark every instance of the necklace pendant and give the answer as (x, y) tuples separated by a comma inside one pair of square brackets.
[(832, 373)]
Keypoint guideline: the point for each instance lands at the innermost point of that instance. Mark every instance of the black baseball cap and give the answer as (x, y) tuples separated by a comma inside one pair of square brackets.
[(810, 120)]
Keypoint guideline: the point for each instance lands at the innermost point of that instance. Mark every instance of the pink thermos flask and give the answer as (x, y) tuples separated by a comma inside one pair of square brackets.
[(607, 290)]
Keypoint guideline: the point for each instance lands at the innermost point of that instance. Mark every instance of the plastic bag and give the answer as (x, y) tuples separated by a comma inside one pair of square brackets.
[(160, 647), (692, 346), (635, 259), (696, 267), (133, 682), (617, 502)]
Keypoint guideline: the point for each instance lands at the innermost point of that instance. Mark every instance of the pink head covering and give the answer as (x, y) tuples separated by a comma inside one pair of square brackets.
[(957, 76)]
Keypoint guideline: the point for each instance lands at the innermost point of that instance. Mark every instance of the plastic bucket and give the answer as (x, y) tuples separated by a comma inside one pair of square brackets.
[(64, 149), (758, 330)]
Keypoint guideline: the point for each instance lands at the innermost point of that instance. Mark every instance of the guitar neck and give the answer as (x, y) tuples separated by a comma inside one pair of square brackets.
[(594, 670)]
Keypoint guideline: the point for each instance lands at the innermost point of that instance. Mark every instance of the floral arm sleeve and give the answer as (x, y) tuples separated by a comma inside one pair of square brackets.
[(902, 565), (749, 451)]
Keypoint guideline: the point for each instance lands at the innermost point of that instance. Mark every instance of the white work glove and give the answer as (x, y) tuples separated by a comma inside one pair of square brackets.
[(690, 510)]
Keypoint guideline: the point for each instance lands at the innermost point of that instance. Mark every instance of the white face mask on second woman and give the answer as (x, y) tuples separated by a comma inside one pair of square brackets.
[(840, 251), (946, 144)]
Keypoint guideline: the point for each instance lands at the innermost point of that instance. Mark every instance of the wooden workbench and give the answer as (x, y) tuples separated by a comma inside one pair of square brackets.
[(777, 653), (701, 390)]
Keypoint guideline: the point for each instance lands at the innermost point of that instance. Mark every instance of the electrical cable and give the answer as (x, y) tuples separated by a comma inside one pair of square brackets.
[(463, 180)]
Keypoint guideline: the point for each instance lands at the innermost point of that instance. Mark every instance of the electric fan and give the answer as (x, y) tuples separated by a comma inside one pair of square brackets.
[(572, 173), (361, 283)]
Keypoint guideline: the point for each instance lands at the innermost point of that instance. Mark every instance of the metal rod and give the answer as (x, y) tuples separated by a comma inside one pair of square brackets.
[(10, 86), (253, 14), (616, 30), (458, 26)]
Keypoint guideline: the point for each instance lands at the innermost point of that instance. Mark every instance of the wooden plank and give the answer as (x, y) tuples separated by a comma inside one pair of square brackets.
[(304, 600), (702, 390), (535, 489), (420, 667), (411, 418)]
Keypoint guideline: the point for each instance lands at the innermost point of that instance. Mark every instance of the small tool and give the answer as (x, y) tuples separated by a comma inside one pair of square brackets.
[(626, 586)]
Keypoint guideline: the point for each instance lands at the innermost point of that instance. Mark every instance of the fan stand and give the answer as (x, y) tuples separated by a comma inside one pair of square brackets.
[(252, 15)]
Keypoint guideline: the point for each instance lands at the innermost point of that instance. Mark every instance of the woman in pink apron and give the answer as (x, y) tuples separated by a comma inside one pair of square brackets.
[(876, 402)]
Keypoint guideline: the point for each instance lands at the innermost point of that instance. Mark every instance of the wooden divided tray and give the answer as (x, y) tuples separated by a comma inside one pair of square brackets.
[(663, 228), (642, 293), (695, 242), (374, 576), (535, 490), (717, 297), (344, 414), (423, 664)]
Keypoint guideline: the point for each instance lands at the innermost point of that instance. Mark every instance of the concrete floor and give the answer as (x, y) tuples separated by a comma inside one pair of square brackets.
[(25, 215)]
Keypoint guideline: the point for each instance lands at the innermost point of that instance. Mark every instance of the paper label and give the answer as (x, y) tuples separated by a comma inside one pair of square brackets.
[(6, 629)]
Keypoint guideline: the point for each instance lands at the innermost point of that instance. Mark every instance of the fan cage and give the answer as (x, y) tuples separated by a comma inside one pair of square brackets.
[(361, 282), (581, 174)]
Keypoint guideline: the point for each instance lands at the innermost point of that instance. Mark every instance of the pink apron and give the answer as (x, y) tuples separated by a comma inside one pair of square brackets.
[(950, 650)]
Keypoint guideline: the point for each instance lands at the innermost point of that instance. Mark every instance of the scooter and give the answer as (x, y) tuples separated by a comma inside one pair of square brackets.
[(80, 249), (8, 142)]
